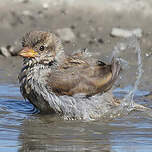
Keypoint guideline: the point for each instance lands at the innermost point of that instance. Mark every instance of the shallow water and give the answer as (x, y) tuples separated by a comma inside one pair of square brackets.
[(22, 129)]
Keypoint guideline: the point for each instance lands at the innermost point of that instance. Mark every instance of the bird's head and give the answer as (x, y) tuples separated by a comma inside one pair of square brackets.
[(42, 47)]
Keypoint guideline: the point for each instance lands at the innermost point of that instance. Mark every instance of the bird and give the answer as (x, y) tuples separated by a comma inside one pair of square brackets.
[(75, 86)]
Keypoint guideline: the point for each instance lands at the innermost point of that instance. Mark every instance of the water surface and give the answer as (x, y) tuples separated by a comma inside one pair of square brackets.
[(23, 129)]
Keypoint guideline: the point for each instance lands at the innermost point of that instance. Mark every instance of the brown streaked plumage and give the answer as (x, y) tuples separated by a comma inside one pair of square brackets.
[(49, 76), (80, 77)]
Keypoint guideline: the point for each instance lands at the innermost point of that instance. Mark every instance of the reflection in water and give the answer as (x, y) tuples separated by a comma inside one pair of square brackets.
[(46, 134), (133, 133)]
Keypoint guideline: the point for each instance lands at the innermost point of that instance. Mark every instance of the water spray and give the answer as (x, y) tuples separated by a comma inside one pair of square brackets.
[(132, 43)]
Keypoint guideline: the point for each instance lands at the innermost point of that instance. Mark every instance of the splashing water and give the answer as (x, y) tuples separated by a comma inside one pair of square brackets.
[(132, 43), (136, 44)]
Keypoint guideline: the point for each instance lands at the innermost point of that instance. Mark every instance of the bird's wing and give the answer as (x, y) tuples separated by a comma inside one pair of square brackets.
[(80, 77)]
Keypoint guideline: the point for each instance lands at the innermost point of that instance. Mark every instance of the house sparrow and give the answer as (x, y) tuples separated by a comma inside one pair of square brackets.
[(75, 86)]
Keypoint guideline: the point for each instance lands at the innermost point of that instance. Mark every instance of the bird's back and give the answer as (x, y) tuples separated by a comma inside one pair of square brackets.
[(76, 75)]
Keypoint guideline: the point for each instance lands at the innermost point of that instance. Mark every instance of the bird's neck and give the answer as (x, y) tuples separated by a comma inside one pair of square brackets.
[(32, 65), (33, 71)]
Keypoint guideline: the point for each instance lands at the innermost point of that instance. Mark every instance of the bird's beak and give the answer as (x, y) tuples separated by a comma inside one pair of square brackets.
[(28, 53)]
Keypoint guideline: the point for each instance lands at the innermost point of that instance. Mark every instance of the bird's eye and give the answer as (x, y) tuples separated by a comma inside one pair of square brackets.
[(41, 48)]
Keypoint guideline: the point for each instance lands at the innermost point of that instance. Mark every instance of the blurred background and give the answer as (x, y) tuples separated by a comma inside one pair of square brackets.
[(97, 25)]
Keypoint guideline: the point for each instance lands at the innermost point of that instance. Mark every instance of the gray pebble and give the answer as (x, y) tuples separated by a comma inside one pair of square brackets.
[(119, 32)]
